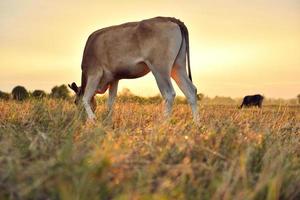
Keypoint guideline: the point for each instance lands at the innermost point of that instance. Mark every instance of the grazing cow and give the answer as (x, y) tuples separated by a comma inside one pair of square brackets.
[(131, 50), (252, 100)]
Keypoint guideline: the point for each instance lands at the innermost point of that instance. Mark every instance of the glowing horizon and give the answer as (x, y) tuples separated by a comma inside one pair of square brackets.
[(237, 48)]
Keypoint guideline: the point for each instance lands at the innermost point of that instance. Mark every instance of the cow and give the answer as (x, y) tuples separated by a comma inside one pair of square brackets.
[(159, 45), (252, 100)]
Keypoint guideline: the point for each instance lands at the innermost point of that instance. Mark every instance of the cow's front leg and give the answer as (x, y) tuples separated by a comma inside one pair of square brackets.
[(89, 92), (113, 89)]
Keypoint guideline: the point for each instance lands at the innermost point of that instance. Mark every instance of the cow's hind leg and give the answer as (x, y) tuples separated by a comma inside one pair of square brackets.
[(91, 87), (179, 74), (188, 89), (161, 73), (113, 88)]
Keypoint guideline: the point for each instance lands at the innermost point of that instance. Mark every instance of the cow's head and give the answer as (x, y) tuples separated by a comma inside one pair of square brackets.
[(77, 91)]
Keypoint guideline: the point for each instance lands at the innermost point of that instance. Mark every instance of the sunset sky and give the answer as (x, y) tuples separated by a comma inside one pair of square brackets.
[(238, 47)]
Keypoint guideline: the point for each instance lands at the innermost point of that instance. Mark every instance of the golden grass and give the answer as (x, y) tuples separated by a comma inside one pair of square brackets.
[(48, 152)]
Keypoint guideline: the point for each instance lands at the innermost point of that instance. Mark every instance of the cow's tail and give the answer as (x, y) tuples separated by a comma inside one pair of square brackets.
[(185, 35)]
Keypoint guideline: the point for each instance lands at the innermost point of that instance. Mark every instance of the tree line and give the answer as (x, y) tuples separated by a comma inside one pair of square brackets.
[(20, 93)]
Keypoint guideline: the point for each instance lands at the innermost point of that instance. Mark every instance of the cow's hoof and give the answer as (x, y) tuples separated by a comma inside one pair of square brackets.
[(90, 121), (196, 121)]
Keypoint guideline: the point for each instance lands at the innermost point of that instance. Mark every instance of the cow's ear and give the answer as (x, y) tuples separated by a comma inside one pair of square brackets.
[(74, 87)]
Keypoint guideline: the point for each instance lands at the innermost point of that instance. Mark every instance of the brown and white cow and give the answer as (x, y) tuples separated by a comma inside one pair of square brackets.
[(131, 50)]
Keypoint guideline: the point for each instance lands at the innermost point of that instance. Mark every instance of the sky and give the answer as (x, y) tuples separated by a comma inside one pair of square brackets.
[(237, 47)]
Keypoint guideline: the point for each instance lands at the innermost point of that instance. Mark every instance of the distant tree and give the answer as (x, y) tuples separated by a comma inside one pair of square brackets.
[(223, 100), (125, 95), (60, 92), (293, 101), (180, 100), (155, 99), (38, 94), (298, 96), (4, 95), (19, 93), (126, 92)]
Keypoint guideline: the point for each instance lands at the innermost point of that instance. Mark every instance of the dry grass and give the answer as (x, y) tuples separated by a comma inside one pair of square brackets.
[(47, 152)]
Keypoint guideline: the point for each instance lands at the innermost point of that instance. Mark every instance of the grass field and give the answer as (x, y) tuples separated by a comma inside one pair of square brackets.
[(47, 152)]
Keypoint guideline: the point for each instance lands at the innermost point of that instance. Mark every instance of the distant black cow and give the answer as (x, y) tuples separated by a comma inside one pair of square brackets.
[(252, 100)]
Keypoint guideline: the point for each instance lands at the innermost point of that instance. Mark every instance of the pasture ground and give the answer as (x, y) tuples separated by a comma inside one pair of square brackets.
[(47, 152)]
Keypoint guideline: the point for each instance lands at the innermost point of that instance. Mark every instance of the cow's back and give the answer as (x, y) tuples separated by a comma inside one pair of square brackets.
[(120, 46)]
